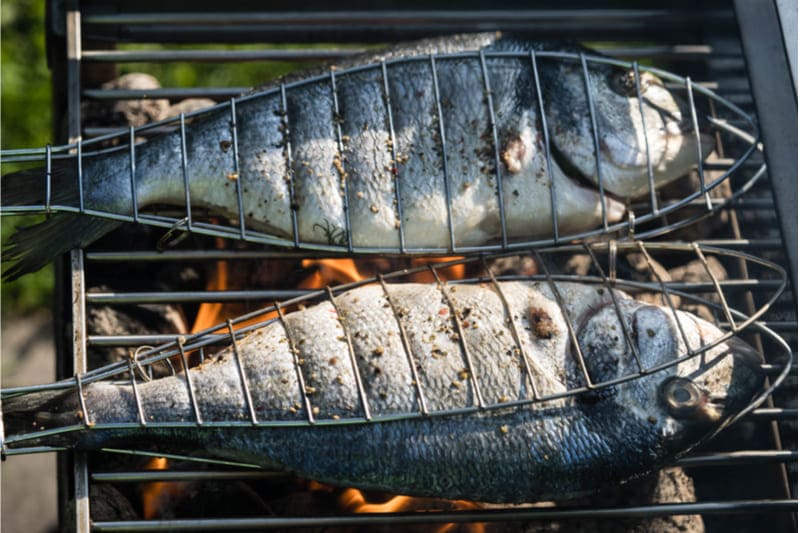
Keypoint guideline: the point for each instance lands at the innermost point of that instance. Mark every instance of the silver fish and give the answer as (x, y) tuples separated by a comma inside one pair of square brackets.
[(371, 157), (475, 407)]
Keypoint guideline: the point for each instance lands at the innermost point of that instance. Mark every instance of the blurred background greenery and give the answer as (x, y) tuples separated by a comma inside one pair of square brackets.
[(25, 118)]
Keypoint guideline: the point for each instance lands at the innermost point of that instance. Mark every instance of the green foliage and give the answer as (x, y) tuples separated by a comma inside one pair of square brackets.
[(25, 118)]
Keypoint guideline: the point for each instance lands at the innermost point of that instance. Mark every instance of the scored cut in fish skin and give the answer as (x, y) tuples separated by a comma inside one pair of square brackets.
[(508, 453)]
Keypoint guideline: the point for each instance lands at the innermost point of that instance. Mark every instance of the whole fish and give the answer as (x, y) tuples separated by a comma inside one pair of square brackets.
[(359, 156), (428, 390)]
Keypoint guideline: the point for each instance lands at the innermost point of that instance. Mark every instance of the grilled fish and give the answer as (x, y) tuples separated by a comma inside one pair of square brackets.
[(429, 390), (370, 156)]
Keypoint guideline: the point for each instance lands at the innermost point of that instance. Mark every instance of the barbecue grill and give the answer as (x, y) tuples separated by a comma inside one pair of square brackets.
[(725, 47)]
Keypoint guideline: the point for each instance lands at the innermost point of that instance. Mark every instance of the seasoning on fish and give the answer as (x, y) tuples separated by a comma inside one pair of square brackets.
[(481, 435), (378, 152)]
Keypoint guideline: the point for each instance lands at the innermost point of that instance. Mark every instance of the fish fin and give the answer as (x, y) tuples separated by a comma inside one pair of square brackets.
[(29, 186), (36, 411), (32, 247)]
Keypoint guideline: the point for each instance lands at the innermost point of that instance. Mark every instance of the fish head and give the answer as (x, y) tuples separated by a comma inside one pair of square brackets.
[(677, 400), (658, 127)]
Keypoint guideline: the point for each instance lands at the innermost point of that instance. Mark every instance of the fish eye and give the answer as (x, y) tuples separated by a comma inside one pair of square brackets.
[(623, 82), (681, 396)]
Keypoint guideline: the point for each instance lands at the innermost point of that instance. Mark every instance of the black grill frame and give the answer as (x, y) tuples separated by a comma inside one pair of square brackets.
[(76, 25)]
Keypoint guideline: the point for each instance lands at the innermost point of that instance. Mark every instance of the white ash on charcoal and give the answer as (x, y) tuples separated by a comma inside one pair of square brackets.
[(637, 267), (712, 223), (130, 320), (126, 112), (523, 265), (189, 105)]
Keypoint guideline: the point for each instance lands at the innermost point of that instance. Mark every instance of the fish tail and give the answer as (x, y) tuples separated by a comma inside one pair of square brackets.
[(32, 247), (28, 414)]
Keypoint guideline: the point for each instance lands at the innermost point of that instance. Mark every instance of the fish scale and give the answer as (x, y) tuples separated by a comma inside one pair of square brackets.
[(402, 150), (308, 412)]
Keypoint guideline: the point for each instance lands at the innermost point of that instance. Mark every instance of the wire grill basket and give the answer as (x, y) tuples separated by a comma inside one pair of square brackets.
[(607, 260), (646, 218)]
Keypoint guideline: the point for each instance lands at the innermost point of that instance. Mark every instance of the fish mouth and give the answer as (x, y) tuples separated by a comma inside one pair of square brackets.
[(746, 383), (616, 204)]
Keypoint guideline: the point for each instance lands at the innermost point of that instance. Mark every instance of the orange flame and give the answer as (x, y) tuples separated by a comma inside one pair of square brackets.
[(159, 495)]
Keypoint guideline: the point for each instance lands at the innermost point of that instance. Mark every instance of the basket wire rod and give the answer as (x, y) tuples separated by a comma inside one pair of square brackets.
[(462, 341), (576, 352), (595, 138), (514, 331), (612, 261), (82, 400), (423, 404), (135, 389), (236, 174), (189, 386), (248, 399), (665, 293), (337, 121), (448, 195), (132, 159), (725, 308), (650, 175), (394, 166), (81, 206), (297, 364), (696, 128), (48, 178), (352, 354), (547, 156), (169, 365), (496, 144), (289, 162), (615, 301), (185, 171)]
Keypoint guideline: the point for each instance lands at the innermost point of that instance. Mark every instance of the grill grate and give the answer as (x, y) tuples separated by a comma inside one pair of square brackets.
[(706, 46)]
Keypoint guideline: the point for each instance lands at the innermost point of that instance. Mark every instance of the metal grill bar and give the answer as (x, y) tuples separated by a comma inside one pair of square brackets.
[(678, 51), (228, 56), (493, 515)]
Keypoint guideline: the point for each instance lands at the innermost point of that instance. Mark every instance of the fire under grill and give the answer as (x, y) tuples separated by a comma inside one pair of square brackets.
[(744, 479)]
